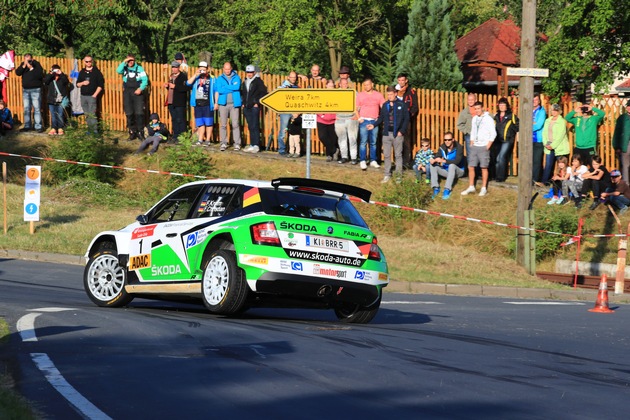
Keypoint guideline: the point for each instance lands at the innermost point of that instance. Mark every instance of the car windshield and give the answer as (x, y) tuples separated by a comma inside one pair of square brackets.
[(310, 206)]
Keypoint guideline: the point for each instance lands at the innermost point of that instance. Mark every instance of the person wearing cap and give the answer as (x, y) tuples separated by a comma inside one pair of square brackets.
[(344, 73), (154, 133), (252, 89), (369, 103), (619, 194), (183, 66), (409, 96), (202, 84), (177, 99), (135, 81), (585, 119), (58, 89), (394, 116), (555, 140), (227, 99), (507, 127), (621, 138), (92, 83)]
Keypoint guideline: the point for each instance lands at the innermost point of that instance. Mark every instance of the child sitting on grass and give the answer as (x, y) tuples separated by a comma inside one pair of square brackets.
[(422, 161), (558, 181), (574, 179), (6, 119), (154, 133), (597, 179)]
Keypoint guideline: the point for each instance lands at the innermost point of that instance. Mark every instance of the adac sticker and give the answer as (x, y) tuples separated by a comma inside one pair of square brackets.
[(142, 232), (137, 262)]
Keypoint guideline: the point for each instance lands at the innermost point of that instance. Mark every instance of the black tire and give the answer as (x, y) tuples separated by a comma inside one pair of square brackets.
[(104, 279), (355, 314), (224, 289)]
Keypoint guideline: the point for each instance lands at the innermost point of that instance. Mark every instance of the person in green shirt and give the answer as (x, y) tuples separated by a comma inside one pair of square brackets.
[(621, 138), (585, 119)]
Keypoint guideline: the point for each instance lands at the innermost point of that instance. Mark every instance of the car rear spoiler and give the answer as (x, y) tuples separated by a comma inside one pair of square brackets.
[(361, 193)]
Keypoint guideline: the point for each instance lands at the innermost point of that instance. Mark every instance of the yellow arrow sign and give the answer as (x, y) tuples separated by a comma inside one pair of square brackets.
[(313, 101)]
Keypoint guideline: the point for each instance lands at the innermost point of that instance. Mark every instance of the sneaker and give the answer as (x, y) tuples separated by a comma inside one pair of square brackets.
[(436, 191), (386, 179), (398, 180), (247, 149), (354, 162), (594, 205), (446, 194), (25, 129), (329, 158), (223, 147), (373, 164), (470, 189), (52, 132), (40, 130), (342, 161), (483, 191), (60, 132), (254, 149), (237, 148), (554, 200), (562, 201), (199, 143), (623, 210), (151, 153), (578, 203), (363, 165)]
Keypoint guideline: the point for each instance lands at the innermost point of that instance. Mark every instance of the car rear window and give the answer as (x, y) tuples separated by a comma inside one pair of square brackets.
[(310, 206)]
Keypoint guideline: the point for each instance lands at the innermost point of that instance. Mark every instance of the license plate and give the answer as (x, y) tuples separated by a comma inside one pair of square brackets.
[(327, 243)]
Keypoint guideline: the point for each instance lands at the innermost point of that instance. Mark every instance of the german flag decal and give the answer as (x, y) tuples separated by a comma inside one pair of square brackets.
[(251, 196)]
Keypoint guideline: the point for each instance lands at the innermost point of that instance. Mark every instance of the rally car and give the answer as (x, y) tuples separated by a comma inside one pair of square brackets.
[(240, 243)]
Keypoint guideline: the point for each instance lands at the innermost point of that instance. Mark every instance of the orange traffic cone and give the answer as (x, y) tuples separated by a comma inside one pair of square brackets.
[(601, 305)]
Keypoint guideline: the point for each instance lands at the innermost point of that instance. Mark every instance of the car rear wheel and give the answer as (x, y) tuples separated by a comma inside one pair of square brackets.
[(104, 279), (224, 287), (356, 314)]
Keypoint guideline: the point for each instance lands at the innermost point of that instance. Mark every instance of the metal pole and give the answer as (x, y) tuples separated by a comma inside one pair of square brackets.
[(4, 194), (308, 152), (621, 264), (526, 94)]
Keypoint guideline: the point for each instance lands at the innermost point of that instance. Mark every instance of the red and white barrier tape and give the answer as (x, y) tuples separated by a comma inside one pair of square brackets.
[(377, 203)]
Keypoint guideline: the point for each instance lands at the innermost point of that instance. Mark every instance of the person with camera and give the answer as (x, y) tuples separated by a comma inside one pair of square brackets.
[(252, 90), (32, 75), (177, 99), (585, 119), (135, 81), (202, 101), (57, 98), (92, 83)]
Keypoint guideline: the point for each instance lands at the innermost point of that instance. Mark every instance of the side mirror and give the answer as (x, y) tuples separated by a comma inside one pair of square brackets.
[(142, 219)]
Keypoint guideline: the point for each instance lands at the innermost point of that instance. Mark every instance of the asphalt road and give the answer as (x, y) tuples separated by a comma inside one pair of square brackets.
[(422, 357)]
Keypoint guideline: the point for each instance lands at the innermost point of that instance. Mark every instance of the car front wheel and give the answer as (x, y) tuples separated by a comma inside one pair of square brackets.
[(104, 279), (224, 287)]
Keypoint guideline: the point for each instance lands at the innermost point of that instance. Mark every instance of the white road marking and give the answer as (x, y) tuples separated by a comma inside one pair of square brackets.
[(404, 302), (26, 326), (547, 303), (58, 382), (52, 309)]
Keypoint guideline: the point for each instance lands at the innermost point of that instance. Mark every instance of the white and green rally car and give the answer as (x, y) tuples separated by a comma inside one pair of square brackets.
[(238, 244)]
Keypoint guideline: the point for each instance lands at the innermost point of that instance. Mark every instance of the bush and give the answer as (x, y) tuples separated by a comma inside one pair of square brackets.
[(409, 194), (79, 146), (186, 159)]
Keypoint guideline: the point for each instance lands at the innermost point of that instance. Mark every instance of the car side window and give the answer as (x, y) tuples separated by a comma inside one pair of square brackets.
[(176, 206), (219, 200)]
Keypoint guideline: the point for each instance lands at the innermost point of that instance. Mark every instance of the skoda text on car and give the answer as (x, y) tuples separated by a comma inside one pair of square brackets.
[(239, 244)]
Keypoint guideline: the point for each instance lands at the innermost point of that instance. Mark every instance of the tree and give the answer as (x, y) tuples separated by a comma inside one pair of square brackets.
[(591, 44), (384, 70), (427, 54)]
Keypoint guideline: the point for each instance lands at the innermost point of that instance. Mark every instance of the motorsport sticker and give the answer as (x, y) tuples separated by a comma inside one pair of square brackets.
[(143, 232), (254, 259), (139, 261), (318, 270)]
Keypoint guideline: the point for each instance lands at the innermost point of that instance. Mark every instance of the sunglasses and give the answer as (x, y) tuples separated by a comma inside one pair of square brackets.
[(87, 62), (448, 139)]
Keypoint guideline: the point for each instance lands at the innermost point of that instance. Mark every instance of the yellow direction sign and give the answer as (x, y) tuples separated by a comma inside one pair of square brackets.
[(314, 101)]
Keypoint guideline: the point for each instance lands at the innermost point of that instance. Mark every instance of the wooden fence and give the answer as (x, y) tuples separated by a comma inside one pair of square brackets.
[(438, 110)]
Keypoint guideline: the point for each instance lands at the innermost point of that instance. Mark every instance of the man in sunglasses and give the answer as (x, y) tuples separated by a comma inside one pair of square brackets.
[(448, 163), (92, 83)]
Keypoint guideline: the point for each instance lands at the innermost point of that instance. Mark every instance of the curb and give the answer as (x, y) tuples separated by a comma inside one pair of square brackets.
[(395, 286)]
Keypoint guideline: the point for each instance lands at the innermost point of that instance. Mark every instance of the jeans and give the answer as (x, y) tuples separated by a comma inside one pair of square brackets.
[(451, 174), (252, 116), (418, 171), (620, 201), (503, 160), (154, 141), (178, 116), (366, 135), (233, 113), (282, 131), (89, 104), (31, 98), (56, 115), (550, 163), (537, 158), (347, 131), (397, 143)]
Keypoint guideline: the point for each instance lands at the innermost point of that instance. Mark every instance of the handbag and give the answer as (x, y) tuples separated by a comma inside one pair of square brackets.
[(65, 101)]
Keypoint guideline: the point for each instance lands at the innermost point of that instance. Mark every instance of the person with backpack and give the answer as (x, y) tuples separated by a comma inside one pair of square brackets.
[(135, 81)]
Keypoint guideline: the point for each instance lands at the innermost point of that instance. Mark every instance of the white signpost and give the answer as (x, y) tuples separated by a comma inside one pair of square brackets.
[(31, 194), (524, 71)]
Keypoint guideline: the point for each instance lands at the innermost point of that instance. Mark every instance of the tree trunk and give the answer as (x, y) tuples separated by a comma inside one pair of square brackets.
[(334, 54)]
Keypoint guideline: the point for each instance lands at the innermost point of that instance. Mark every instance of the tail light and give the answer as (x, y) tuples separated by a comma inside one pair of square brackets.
[(265, 234), (374, 254)]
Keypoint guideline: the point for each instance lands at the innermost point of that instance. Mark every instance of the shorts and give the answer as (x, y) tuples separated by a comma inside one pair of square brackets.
[(204, 116), (478, 155)]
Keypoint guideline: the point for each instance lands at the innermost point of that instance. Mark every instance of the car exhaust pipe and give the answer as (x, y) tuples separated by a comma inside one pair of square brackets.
[(324, 291)]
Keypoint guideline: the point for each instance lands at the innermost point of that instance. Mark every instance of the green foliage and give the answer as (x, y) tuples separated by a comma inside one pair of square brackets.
[(92, 192), (427, 54), (79, 146), (186, 159), (561, 219), (386, 50), (408, 193)]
